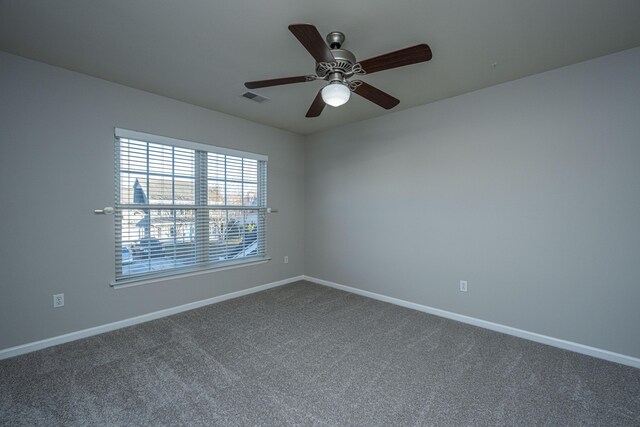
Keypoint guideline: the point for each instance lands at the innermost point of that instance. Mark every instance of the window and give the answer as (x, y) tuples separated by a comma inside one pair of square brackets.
[(182, 206)]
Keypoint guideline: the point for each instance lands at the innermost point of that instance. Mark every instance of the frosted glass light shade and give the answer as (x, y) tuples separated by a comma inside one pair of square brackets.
[(335, 94)]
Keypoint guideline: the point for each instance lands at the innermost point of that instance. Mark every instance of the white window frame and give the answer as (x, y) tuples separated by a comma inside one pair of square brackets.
[(202, 264)]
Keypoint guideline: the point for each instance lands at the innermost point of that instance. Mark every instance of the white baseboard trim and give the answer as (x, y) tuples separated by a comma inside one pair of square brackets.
[(532, 336), (72, 336)]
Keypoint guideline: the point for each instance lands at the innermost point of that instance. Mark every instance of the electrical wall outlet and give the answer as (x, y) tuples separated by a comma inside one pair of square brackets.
[(58, 300), (463, 286), (286, 259)]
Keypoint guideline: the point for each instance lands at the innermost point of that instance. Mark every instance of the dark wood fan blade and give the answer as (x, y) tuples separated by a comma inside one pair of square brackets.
[(317, 106), (275, 82), (399, 58), (311, 39), (376, 96)]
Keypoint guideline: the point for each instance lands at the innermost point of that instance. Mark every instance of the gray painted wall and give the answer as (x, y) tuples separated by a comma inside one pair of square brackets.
[(57, 166), (529, 190)]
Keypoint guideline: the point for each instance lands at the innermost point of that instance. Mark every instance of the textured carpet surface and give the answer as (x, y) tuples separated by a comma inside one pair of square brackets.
[(304, 354)]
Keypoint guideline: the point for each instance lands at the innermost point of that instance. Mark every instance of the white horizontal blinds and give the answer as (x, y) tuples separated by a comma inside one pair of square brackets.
[(157, 208), (182, 208), (236, 211), (141, 136)]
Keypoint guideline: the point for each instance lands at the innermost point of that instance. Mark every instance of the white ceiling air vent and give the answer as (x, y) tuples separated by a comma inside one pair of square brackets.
[(255, 97)]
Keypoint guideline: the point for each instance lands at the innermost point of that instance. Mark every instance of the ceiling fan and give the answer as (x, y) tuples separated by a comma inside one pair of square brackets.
[(338, 66)]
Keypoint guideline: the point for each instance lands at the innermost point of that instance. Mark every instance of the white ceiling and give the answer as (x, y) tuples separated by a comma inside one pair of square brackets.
[(202, 51)]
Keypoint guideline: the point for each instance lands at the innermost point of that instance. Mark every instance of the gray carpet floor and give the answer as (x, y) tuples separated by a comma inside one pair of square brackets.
[(304, 354)]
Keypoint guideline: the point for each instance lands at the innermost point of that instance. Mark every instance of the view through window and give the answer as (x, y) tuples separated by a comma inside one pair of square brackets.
[(185, 206)]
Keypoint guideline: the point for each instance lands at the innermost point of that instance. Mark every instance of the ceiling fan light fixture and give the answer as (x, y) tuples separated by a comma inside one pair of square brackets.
[(335, 94)]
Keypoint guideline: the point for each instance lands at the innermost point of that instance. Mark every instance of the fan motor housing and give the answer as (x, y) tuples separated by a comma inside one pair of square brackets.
[(343, 64)]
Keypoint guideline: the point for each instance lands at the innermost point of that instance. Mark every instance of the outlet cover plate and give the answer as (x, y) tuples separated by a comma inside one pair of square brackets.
[(463, 286), (58, 300)]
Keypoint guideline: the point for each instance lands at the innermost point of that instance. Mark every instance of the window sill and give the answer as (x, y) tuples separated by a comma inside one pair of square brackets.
[(127, 283)]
